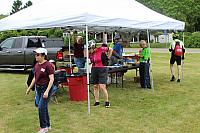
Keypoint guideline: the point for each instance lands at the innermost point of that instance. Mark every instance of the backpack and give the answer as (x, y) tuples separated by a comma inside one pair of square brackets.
[(178, 51), (104, 59)]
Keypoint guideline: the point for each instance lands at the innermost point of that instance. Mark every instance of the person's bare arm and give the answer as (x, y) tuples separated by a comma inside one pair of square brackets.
[(85, 52), (31, 86), (51, 77), (110, 51)]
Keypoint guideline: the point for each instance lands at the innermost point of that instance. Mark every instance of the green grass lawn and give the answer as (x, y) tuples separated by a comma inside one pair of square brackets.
[(172, 108)]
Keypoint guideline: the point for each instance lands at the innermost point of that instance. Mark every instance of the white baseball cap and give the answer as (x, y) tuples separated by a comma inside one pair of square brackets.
[(41, 51)]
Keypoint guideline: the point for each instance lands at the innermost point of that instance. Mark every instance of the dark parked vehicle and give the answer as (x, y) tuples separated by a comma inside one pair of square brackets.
[(17, 52)]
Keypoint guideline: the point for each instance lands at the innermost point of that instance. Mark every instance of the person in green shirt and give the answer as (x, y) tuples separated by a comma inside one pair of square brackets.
[(144, 57), (111, 45)]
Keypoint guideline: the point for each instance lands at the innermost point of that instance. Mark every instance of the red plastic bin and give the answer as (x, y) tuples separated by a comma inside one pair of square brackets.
[(78, 88)]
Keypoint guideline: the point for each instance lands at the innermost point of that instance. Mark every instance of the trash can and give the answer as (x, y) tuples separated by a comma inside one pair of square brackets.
[(77, 87)]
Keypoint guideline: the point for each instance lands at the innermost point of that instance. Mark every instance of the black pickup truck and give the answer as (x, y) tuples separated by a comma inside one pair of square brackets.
[(17, 52)]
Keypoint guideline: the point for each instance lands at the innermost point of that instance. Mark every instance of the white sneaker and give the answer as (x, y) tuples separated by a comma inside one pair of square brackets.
[(49, 128), (43, 130)]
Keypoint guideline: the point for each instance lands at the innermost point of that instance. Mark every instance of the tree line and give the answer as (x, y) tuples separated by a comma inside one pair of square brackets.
[(183, 10), (18, 5)]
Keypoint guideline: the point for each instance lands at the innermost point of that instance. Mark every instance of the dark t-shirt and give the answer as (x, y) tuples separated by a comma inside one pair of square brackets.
[(42, 72), (78, 50)]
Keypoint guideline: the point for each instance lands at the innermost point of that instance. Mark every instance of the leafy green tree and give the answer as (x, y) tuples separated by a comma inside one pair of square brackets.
[(58, 33), (29, 3), (184, 10), (17, 6), (50, 32), (2, 16), (42, 32)]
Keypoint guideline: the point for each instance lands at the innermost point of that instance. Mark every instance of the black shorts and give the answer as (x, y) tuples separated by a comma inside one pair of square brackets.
[(99, 75), (175, 58)]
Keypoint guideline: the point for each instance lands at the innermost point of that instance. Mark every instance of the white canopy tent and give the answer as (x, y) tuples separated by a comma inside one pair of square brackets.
[(96, 15), (109, 14)]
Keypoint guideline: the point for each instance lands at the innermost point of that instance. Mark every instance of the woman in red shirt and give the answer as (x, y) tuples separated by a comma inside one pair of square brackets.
[(99, 72), (43, 81)]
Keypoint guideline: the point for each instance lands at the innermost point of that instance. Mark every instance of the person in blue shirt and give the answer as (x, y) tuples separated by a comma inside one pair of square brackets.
[(117, 51)]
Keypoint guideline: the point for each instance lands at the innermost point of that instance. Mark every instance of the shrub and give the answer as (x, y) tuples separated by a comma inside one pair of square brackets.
[(192, 40)]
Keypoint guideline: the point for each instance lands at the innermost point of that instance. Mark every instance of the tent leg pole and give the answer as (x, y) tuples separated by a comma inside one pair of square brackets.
[(151, 72), (70, 59), (183, 60), (112, 37), (87, 66)]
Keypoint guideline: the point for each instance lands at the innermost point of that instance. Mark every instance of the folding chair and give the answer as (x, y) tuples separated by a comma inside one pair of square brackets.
[(53, 96)]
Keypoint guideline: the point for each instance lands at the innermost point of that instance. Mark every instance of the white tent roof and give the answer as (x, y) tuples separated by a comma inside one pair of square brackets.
[(97, 14)]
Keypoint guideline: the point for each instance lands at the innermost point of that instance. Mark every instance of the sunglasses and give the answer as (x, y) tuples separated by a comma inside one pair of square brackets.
[(37, 54)]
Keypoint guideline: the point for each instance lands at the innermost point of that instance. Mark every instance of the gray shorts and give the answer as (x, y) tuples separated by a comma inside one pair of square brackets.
[(99, 75)]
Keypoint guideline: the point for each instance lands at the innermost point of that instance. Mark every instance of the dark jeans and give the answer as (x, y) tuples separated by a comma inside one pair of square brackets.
[(43, 107), (144, 75), (51, 92)]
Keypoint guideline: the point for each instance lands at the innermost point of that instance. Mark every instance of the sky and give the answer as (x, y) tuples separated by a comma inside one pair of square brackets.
[(6, 5)]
